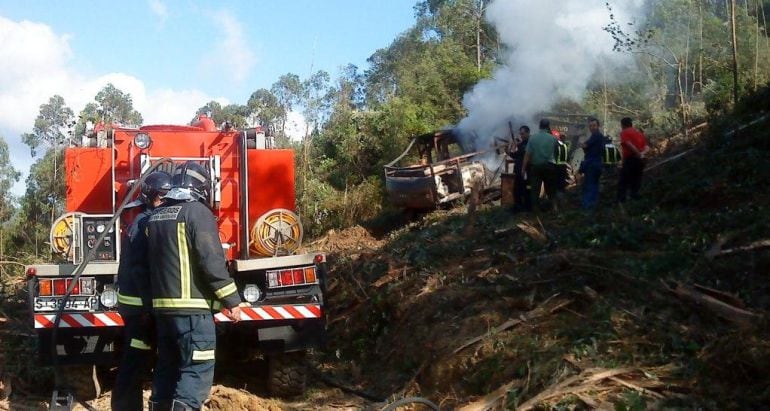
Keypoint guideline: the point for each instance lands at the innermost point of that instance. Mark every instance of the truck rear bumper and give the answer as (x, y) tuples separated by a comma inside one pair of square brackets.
[(113, 319)]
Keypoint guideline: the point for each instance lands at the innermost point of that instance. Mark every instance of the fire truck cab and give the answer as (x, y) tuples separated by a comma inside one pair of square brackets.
[(253, 200)]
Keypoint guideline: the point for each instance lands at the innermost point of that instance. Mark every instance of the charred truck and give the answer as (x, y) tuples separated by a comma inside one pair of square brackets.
[(253, 200)]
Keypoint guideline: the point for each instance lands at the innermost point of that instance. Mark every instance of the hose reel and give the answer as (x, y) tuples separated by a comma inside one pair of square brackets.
[(62, 236), (277, 232)]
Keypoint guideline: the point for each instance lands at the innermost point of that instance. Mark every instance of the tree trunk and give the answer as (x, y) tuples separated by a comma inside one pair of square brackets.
[(686, 71), (756, 45), (700, 50), (682, 97), (735, 51), (606, 103), (479, 19)]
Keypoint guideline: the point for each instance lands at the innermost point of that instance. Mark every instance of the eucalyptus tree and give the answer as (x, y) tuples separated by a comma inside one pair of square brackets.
[(110, 106)]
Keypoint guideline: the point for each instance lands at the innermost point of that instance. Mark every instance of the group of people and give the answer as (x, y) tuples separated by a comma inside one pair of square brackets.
[(540, 161), (172, 276)]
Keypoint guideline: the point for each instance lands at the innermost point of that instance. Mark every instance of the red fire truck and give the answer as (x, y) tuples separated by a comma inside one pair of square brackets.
[(253, 199)]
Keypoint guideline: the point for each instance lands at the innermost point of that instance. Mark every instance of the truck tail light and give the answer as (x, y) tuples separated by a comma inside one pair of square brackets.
[(44, 288), (292, 277), (299, 276), (310, 274), (286, 278), (59, 287), (76, 289)]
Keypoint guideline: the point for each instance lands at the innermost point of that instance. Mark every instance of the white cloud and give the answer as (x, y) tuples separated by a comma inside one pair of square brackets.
[(159, 9), (35, 64), (232, 53)]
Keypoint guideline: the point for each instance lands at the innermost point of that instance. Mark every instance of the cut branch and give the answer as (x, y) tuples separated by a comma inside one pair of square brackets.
[(543, 309), (723, 310)]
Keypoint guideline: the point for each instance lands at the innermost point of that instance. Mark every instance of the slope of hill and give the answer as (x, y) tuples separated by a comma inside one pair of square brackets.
[(662, 302)]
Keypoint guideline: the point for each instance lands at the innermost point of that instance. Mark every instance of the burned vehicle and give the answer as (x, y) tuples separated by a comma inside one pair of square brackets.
[(445, 171)]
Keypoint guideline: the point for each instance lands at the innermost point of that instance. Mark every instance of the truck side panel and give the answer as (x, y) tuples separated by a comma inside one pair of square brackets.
[(89, 180), (271, 181)]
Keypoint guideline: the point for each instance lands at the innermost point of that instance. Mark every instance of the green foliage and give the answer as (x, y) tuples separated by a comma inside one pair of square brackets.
[(682, 51), (111, 106), (117, 107), (41, 204), (8, 176), (265, 106), (325, 208), (52, 126), (235, 114)]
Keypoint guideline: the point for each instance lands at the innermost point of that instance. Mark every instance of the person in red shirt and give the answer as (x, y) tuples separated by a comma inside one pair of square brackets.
[(633, 145)]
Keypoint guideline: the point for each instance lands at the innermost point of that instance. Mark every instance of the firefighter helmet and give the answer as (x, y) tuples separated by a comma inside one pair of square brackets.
[(194, 177), (158, 183)]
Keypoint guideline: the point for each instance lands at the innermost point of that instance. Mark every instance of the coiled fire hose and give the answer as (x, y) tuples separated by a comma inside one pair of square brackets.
[(90, 256), (277, 232)]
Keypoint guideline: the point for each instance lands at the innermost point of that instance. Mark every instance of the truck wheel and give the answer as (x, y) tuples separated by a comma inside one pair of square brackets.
[(287, 374), (82, 381)]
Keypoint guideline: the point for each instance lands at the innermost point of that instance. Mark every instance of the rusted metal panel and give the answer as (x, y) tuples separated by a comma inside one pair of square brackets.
[(412, 192)]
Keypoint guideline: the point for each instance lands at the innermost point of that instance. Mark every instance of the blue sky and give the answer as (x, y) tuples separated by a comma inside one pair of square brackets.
[(174, 56)]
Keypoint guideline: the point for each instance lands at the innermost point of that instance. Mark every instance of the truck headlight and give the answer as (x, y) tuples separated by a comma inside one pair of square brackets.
[(251, 293), (109, 297), (142, 140)]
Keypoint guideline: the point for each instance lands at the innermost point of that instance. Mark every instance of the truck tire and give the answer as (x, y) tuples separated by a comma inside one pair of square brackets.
[(287, 374), (82, 381)]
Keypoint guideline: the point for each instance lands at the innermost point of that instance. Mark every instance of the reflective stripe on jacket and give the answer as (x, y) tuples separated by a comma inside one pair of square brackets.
[(561, 152), (611, 154), (187, 261)]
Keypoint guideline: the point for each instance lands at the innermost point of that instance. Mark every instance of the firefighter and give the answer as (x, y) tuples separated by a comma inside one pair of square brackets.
[(135, 300), (522, 201), (189, 279), (561, 156)]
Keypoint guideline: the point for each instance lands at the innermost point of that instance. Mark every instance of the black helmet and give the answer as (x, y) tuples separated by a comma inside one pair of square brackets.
[(193, 176), (156, 184)]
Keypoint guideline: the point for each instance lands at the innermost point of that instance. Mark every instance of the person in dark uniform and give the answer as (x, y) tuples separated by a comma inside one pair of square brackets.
[(135, 300), (522, 200), (189, 279), (592, 164)]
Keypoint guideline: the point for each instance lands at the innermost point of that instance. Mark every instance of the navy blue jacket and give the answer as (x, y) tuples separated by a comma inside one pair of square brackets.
[(594, 149), (133, 274)]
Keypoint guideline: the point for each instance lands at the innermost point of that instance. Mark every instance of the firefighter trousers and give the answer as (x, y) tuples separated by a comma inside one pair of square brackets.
[(135, 365), (185, 370)]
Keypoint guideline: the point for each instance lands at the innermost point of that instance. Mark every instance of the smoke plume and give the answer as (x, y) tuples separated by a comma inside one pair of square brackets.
[(554, 48)]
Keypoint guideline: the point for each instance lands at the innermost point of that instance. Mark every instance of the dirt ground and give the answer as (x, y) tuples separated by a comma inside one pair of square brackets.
[(225, 399)]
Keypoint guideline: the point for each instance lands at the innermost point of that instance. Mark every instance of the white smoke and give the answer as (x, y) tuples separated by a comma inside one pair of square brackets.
[(555, 49)]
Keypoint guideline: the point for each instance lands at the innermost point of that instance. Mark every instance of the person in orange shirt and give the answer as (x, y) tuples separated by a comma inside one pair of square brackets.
[(633, 146)]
